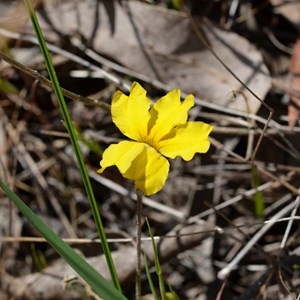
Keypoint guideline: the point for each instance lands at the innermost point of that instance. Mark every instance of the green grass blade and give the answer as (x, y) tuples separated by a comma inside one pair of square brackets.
[(259, 202), (153, 291), (38, 258), (73, 138), (99, 284), (162, 287)]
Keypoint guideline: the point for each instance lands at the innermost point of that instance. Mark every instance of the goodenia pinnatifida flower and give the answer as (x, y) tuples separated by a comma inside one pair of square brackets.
[(157, 132)]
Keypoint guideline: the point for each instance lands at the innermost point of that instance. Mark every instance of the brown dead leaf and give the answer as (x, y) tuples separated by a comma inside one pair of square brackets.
[(161, 44)]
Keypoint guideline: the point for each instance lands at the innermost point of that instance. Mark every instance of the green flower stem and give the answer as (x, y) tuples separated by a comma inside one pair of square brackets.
[(138, 292), (71, 131)]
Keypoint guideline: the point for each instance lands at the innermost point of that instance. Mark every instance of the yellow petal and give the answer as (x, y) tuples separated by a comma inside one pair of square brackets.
[(167, 113), (186, 140), (139, 162), (121, 155), (149, 170), (131, 113)]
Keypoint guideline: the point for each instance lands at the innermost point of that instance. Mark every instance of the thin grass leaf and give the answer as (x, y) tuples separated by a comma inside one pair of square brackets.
[(259, 203), (38, 258), (162, 287), (152, 288), (99, 284), (73, 138)]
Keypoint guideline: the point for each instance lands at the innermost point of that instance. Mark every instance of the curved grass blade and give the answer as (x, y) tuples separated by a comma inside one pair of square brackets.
[(152, 288), (162, 287), (73, 138), (98, 283)]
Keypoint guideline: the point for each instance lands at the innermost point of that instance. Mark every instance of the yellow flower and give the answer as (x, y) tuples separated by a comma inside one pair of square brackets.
[(156, 132)]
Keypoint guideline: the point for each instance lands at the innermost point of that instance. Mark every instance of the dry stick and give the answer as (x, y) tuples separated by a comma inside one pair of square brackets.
[(121, 69), (275, 183), (86, 100), (245, 124), (287, 146), (220, 292), (32, 39), (264, 128), (273, 39), (129, 240), (156, 83), (244, 131), (110, 77), (287, 185), (242, 114), (175, 213), (217, 192), (47, 83), (231, 201), (165, 87), (183, 239), (208, 229), (114, 66), (43, 183), (284, 240), (225, 271), (219, 145), (139, 195), (290, 223), (206, 44), (89, 101), (253, 130), (5, 145), (42, 165)]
